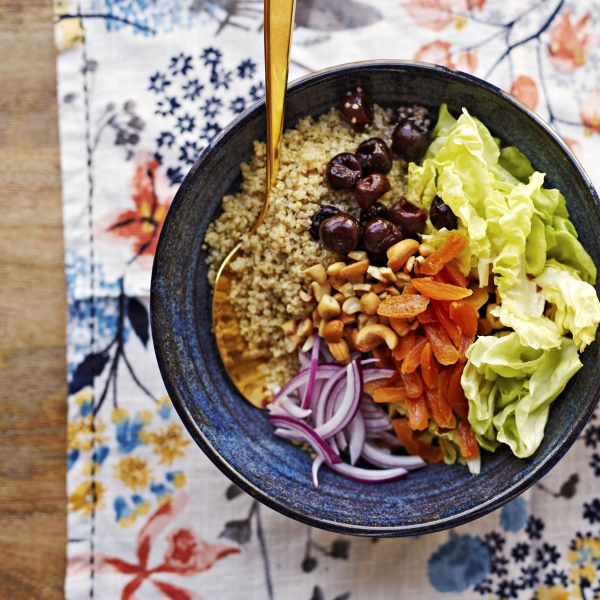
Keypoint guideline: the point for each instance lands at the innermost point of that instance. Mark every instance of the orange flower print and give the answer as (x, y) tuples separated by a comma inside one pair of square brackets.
[(569, 42), (525, 89), (438, 14), (152, 196), (589, 111), (438, 52)]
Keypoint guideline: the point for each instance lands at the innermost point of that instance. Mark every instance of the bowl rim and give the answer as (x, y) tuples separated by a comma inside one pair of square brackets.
[(157, 298)]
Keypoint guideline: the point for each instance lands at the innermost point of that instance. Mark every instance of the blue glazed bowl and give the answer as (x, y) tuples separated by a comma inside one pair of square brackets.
[(237, 437)]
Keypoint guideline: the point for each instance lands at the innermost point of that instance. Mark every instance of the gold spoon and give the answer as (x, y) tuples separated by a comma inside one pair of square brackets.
[(245, 371)]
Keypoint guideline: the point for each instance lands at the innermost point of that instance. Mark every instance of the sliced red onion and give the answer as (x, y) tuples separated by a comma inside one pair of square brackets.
[(349, 405), (293, 409), (329, 358), (373, 374), (319, 460), (474, 464), (304, 359), (368, 475), (317, 392), (320, 408), (376, 426), (314, 363), (385, 436), (341, 441), (357, 434), (301, 379), (385, 460), (307, 433)]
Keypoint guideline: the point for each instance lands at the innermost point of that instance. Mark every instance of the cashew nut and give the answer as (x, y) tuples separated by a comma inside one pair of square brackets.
[(398, 253), (340, 351), (333, 331), (317, 272), (371, 336)]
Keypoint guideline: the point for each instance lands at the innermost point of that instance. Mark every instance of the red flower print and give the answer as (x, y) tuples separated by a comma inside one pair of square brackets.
[(438, 52), (152, 196), (187, 555), (589, 111), (437, 14), (525, 89), (569, 42)]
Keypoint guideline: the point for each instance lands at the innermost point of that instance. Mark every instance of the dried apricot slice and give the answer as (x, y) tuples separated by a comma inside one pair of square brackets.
[(440, 291), (405, 345), (455, 393), (389, 394), (454, 244), (414, 446), (444, 318), (412, 384), (416, 410), (429, 370), (453, 274), (383, 356), (469, 447), (479, 298), (403, 307), (441, 411), (413, 359), (441, 344), (465, 342), (428, 316), (465, 316)]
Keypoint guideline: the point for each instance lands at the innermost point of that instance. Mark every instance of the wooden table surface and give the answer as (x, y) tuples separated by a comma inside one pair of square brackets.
[(33, 404)]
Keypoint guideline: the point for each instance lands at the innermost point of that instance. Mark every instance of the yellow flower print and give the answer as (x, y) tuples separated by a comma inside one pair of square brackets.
[(68, 31), (179, 481), (133, 472), (556, 592), (168, 444), (82, 433), (164, 406), (86, 497)]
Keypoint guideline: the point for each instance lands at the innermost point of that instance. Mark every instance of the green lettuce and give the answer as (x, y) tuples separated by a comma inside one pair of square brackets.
[(576, 306), (510, 387)]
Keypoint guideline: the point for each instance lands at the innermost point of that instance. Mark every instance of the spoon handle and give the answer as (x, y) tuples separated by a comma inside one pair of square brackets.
[(279, 24)]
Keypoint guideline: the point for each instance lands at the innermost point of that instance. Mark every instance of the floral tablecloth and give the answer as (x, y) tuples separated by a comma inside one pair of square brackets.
[(143, 86)]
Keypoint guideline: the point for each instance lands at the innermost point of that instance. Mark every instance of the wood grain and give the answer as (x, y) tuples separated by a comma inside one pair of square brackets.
[(32, 310)]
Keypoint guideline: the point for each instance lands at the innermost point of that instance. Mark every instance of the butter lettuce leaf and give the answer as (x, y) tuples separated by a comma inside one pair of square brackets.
[(510, 387), (576, 305)]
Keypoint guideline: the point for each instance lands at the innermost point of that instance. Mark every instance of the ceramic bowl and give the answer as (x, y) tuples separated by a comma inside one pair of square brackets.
[(236, 436)]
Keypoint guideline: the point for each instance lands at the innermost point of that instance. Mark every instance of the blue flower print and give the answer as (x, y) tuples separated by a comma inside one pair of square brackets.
[(520, 552), (211, 107), (129, 431), (257, 91), (163, 493), (459, 563), (100, 455), (508, 589), (189, 152), (192, 89), (168, 106), (166, 138), (158, 83), (595, 464), (175, 175), (514, 515), (534, 528), (221, 78), (185, 123), (547, 555), (237, 106), (210, 131), (211, 56), (72, 457), (529, 577), (164, 406), (246, 69), (122, 511), (176, 478), (181, 64)]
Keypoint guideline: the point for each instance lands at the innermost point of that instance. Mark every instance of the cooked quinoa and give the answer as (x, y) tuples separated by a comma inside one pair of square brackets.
[(270, 264)]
